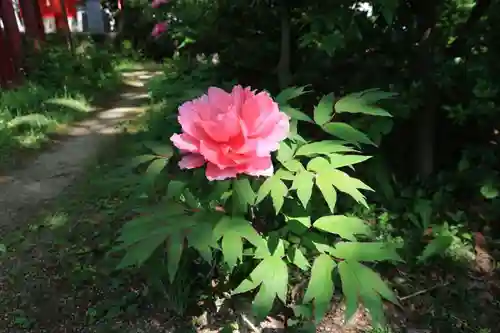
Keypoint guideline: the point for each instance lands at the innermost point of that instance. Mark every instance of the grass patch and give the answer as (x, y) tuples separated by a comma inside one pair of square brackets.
[(60, 89)]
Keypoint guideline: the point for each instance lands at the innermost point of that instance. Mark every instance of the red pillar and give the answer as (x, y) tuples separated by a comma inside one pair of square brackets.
[(7, 73), (32, 22), (12, 35), (59, 8)]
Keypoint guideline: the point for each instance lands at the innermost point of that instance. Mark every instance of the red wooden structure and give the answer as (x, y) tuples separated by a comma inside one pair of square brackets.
[(10, 46), (53, 9), (32, 12)]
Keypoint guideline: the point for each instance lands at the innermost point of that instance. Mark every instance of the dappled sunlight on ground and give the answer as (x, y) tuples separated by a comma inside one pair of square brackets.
[(42, 179), (138, 78)]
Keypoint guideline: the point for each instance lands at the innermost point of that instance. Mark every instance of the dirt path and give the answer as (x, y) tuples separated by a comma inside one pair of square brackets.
[(24, 191)]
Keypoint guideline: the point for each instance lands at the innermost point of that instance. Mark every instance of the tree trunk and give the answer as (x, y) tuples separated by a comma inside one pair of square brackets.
[(283, 68), (7, 73), (63, 24), (12, 38), (32, 22)]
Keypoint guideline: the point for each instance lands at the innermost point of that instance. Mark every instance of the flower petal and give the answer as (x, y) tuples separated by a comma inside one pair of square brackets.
[(185, 142), (260, 166), (214, 173), (191, 161)]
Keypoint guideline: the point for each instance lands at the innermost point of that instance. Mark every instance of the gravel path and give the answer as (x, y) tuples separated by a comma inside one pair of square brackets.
[(24, 191)]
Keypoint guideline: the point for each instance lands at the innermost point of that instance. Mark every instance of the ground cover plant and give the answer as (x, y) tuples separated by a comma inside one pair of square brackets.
[(59, 89)]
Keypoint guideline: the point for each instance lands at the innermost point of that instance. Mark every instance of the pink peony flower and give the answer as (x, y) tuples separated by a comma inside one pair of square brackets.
[(159, 29), (158, 3), (232, 133)]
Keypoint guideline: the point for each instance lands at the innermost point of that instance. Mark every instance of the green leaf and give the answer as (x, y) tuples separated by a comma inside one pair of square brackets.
[(229, 224), (273, 246), (290, 93), (285, 152), (155, 168), (275, 284), (70, 103), (348, 133), (489, 191), (272, 276), (275, 187), (32, 120), (138, 160), (347, 184), (175, 188), (362, 103), (319, 164), (278, 194), (201, 238), (318, 242), (141, 236), (243, 193), (373, 303), (366, 251), (295, 114), (298, 224), (324, 110), (264, 189), (160, 149), (388, 9), (374, 95), (350, 289), (284, 174), (263, 301), (344, 226), (437, 246), (190, 199), (141, 251), (359, 281), (174, 253), (294, 166), (372, 279), (339, 161), (325, 185), (158, 221), (323, 148), (303, 183), (221, 188), (320, 287), (232, 248), (296, 257)]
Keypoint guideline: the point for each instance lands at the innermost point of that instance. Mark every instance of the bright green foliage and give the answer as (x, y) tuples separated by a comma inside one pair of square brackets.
[(290, 93), (303, 183), (363, 102), (344, 226), (233, 230), (348, 133), (436, 247), (324, 110), (235, 219), (324, 148), (276, 188), (272, 277), (359, 281), (321, 286), (243, 194)]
